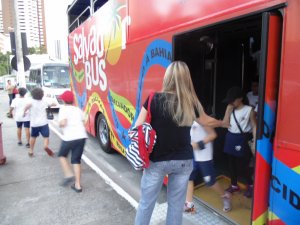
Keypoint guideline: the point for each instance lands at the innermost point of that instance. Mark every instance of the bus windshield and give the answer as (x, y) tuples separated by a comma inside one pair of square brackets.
[(56, 77)]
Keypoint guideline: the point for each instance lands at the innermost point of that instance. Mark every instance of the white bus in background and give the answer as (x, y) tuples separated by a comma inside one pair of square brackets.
[(52, 77)]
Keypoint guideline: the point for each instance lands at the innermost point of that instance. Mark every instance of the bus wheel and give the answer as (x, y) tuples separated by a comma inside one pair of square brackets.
[(103, 134)]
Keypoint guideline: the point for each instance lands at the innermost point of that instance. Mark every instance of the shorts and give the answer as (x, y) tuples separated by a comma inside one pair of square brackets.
[(206, 169), (20, 124), (44, 130), (75, 146)]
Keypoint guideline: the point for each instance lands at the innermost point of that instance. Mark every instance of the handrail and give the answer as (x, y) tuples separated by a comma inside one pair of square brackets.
[(77, 18)]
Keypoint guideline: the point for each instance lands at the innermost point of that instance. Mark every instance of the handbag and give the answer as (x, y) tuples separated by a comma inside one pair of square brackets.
[(248, 137), (142, 140), (50, 115), (15, 90)]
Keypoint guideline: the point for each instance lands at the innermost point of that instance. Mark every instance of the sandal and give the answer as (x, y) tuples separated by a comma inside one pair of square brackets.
[(30, 154), (49, 151), (76, 189)]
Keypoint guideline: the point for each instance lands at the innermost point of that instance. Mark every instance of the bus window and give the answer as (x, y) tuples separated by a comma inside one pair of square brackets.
[(56, 77), (98, 4), (38, 77), (78, 12)]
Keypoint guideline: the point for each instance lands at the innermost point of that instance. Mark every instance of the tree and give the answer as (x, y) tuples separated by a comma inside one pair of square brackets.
[(31, 50), (4, 63), (37, 50)]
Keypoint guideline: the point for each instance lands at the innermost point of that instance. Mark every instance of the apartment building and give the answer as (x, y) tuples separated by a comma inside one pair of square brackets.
[(31, 19)]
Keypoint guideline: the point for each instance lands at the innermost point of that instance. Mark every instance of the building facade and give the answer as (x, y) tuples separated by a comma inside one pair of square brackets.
[(31, 20)]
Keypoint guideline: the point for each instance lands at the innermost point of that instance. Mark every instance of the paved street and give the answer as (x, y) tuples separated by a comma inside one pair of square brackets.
[(30, 194)]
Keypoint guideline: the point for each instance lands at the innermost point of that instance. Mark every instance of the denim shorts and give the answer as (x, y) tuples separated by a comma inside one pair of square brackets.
[(44, 130), (206, 170), (75, 146), (25, 123)]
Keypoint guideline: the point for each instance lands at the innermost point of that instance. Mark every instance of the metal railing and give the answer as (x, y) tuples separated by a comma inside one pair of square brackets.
[(77, 20)]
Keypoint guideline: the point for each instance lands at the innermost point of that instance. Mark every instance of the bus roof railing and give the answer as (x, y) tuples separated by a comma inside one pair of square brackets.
[(78, 17), (80, 7)]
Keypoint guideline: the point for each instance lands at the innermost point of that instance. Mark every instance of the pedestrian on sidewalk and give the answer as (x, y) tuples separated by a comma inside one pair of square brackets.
[(202, 142), (38, 120), (173, 111), (71, 120), (17, 108), (10, 91)]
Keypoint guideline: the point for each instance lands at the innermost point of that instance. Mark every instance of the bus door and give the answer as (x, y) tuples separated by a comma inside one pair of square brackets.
[(268, 94)]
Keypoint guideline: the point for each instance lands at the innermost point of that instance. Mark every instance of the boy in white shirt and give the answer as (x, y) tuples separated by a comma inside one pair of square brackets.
[(202, 138), (17, 107), (38, 120), (71, 120)]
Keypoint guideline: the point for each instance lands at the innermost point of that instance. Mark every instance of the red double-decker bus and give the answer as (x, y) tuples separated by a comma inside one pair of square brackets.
[(119, 50)]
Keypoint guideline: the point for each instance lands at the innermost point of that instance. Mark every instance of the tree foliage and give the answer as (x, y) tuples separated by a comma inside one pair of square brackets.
[(5, 67), (37, 50)]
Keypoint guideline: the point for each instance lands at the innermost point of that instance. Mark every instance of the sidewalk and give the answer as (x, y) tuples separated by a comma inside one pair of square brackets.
[(30, 194)]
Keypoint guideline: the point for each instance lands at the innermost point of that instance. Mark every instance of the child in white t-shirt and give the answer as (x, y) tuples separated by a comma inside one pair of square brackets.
[(202, 138), (71, 120), (242, 122), (17, 108), (38, 120)]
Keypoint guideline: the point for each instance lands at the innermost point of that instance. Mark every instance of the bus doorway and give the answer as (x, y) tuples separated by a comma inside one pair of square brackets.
[(220, 57)]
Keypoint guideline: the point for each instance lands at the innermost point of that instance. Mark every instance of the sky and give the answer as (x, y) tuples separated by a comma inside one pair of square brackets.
[(57, 26)]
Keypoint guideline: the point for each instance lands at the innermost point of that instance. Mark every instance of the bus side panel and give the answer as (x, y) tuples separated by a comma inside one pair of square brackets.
[(162, 16), (99, 72), (285, 186)]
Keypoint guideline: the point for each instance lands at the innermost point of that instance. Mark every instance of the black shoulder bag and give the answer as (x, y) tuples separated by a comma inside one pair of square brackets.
[(50, 115)]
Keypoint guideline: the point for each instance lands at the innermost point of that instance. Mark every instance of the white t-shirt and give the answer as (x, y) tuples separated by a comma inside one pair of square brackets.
[(38, 115), (243, 117), (253, 99), (74, 128), (197, 134), (19, 105)]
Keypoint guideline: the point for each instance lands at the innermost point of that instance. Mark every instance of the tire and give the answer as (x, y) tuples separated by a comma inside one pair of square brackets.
[(103, 134)]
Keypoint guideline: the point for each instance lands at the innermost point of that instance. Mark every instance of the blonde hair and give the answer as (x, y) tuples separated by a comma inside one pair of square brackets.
[(183, 103)]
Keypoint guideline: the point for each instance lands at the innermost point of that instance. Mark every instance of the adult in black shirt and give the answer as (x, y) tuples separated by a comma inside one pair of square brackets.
[(173, 111)]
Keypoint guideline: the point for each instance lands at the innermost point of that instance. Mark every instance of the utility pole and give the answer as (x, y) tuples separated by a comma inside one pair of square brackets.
[(19, 50)]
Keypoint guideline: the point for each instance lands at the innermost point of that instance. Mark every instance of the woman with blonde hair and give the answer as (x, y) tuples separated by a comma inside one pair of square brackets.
[(173, 111)]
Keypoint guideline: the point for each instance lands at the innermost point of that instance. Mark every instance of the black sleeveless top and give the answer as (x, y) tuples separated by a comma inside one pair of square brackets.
[(173, 142)]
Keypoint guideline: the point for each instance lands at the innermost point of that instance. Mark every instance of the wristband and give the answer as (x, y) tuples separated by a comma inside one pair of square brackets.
[(201, 145)]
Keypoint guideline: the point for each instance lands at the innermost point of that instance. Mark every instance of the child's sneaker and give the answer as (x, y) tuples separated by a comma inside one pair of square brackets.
[(249, 192), (226, 202), (233, 189), (189, 207)]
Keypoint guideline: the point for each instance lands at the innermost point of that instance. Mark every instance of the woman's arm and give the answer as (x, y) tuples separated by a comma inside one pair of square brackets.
[(141, 118), (208, 121)]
